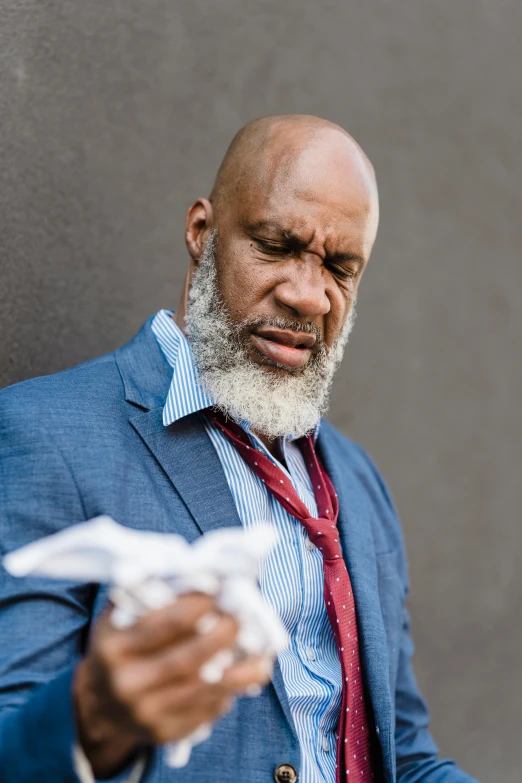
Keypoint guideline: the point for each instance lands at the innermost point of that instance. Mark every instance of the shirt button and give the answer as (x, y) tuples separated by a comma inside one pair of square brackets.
[(309, 545), (326, 744), (310, 653)]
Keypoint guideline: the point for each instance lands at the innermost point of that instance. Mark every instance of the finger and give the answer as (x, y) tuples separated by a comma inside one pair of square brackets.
[(178, 726), (172, 713), (181, 661), (248, 675), (163, 627)]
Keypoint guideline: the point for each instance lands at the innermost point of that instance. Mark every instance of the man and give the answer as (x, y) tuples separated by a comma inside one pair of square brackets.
[(276, 257)]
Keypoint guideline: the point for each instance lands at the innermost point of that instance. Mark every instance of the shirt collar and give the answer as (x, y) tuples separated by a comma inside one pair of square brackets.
[(186, 394)]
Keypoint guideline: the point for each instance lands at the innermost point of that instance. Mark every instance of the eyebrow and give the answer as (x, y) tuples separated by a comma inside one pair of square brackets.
[(275, 228), (291, 238)]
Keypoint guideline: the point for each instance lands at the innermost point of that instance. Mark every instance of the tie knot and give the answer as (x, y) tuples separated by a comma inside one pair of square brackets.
[(325, 536)]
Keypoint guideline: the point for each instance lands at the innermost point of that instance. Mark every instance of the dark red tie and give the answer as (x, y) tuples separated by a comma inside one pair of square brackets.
[(354, 761)]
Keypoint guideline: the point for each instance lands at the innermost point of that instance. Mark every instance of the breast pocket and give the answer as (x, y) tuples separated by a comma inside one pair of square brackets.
[(392, 604)]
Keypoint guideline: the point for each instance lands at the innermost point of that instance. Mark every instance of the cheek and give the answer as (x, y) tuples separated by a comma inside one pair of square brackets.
[(242, 284), (341, 302)]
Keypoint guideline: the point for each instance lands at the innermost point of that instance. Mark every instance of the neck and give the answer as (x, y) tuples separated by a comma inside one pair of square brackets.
[(179, 319), (273, 446), (181, 311)]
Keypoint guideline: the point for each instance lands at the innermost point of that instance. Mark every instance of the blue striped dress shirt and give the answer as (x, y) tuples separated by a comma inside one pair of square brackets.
[(292, 577)]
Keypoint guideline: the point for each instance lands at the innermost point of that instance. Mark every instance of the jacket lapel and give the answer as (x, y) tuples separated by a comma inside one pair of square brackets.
[(359, 553), (183, 449), (189, 459)]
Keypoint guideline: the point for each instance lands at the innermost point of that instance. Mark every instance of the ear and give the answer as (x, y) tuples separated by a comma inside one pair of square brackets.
[(198, 225)]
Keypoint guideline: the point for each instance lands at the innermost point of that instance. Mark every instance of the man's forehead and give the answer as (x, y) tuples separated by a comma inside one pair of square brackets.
[(321, 186), (286, 226), (301, 184), (303, 221), (307, 162)]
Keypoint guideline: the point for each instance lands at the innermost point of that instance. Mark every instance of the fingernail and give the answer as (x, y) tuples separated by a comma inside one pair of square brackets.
[(212, 671), (254, 690), (207, 623)]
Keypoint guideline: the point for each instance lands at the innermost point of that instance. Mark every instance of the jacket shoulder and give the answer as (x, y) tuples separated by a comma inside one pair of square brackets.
[(359, 460), (352, 458), (71, 391)]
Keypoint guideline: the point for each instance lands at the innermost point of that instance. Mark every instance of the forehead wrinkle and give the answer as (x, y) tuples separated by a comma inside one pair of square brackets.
[(331, 245), (333, 239), (313, 210), (320, 202)]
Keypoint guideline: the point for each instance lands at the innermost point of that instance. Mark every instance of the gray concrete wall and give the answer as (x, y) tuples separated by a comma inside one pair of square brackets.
[(113, 117)]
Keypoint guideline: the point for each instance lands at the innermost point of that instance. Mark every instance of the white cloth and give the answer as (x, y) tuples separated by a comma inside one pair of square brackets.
[(147, 570)]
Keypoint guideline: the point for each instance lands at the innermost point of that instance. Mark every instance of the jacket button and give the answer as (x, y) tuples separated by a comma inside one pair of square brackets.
[(285, 773)]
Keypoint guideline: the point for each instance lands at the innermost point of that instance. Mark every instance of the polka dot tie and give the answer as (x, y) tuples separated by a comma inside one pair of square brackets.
[(354, 761)]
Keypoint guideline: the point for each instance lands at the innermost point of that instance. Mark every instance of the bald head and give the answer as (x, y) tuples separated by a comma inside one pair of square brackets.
[(269, 151)]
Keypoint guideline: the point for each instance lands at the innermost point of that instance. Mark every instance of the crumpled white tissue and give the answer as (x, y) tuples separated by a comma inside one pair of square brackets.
[(147, 570)]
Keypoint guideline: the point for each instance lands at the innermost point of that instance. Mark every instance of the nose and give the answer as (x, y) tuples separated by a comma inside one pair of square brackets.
[(304, 290)]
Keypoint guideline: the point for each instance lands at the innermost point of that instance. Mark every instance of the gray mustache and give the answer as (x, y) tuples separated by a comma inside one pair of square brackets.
[(279, 322)]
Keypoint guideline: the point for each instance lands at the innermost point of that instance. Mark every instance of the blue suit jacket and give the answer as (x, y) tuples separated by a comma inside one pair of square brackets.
[(91, 441)]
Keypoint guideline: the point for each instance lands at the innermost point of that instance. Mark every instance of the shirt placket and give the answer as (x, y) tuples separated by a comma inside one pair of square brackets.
[(310, 650), (313, 569)]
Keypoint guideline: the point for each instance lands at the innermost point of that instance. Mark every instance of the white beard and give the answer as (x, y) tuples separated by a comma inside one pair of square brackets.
[(289, 404)]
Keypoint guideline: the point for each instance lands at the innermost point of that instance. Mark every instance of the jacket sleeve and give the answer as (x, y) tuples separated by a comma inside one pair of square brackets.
[(417, 759), (417, 755), (44, 624)]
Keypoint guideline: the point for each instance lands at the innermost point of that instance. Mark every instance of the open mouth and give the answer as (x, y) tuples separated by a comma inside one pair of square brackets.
[(284, 346)]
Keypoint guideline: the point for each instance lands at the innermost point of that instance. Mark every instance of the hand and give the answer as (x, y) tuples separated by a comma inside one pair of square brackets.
[(142, 685)]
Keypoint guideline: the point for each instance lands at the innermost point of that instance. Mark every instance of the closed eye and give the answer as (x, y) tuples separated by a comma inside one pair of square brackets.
[(342, 272), (335, 265), (268, 247)]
